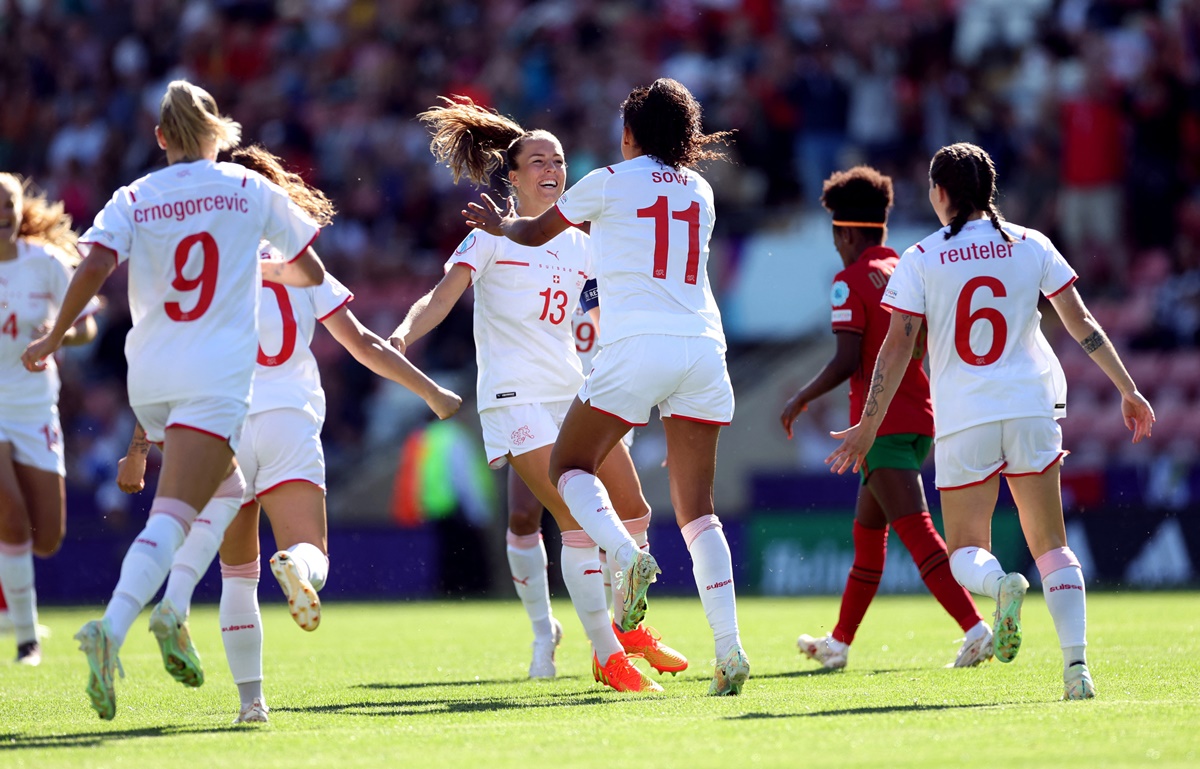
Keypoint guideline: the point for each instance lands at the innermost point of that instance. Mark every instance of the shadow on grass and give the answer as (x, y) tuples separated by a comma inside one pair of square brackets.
[(474, 682), (825, 672), (92, 739), (867, 711), (432, 707)]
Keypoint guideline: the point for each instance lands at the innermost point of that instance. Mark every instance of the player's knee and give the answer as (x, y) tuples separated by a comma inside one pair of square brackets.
[(47, 544), (525, 519)]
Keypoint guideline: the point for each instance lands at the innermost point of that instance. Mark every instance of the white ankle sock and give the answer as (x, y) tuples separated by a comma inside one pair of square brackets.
[(712, 567), (585, 582), (528, 568), (241, 633), (142, 572), (198, 550), (16, 579), (977, 570), (592, 510), (1066, 599), (313, 564)]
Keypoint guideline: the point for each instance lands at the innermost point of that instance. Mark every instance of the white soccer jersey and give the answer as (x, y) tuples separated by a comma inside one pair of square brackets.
[(31, 291), (979, 296), (586, 343), (524, 300), (190, 233), (650, 231), (287, 375)]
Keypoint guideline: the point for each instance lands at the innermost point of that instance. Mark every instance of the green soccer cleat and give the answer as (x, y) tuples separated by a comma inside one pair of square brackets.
[(1007, 632), (95, 641), (637, 579), (179, 655), (730, 674)]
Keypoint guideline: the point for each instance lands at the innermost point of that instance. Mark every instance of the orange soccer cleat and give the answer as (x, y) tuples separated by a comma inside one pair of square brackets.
[(621, 674), (644, 641)]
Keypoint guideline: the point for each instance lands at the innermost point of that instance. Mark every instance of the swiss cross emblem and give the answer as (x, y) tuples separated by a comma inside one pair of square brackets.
[(557, 279)]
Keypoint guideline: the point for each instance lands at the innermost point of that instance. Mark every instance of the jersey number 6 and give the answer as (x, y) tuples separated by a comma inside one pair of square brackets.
[(206, 281), (965, 320)]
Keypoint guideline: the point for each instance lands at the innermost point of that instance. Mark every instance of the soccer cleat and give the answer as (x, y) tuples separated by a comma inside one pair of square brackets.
[(303, 602), (730, 674), (827, 650), (179, 656), (254, 713), (621, 674), (637, 579), (1078, 682), (1007, 633), (544, 664), (644, 641), (977, 647), (29, 653), (95, 641)]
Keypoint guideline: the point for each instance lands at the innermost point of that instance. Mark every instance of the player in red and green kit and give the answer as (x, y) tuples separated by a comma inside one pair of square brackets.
[(891, 493)]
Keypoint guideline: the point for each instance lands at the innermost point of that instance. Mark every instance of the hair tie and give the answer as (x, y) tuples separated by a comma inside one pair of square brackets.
[(840, 223)]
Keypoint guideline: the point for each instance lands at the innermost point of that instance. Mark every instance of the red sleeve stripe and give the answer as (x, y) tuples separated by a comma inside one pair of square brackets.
[(132, 197), (901, 310), (564, 216), (306, 245), (610, 169), (1067, 285), (335, 310), (920, 248)]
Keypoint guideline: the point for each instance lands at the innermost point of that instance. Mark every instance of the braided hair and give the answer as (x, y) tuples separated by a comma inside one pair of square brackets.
[(968, 175), (665, 120)]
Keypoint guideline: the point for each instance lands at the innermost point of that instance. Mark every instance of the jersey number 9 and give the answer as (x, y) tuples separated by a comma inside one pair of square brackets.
[(206, 281)]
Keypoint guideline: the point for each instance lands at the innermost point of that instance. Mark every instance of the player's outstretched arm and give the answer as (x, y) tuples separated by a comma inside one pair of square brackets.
[(890, 366), (131, 470), (374, 353), (302, 272), (82, 332), (1135, 409), (524, 230), (431, 309), (843, 365), (89, 277)]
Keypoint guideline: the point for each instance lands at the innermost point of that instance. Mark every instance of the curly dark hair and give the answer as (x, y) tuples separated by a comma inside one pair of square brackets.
[(474, 141), (861, 195), (666, 123), (968, 175)]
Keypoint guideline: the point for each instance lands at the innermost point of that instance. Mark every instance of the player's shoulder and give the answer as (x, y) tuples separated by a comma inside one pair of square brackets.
[(1021, 234), (930, 244)]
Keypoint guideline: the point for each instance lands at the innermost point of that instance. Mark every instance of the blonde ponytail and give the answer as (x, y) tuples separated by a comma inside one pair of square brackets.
[(189, 118), (42, 221)]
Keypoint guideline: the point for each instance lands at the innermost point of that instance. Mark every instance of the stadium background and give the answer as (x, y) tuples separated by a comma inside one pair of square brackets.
[(1091, 109)]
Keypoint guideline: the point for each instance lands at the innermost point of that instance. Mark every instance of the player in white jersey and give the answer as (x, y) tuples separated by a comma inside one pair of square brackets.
[(37, 254), (997, 390), (190, 233), (281, 456), (661, 343), (528, 375)]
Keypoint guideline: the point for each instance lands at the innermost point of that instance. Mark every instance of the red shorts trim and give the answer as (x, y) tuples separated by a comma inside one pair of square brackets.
[(614, 416), (335, 310), (901, 310), (174, 425), (284, 483), (1067, 285), (698, 419), (1043, 471), (564, 216), (306, 245), (991, 475)]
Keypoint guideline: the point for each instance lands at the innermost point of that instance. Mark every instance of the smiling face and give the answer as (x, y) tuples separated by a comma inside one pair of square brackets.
[(539, 174), (10, 208)]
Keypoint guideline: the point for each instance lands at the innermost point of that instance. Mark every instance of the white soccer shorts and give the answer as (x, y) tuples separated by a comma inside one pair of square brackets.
[(281, 446), (36, 442), (219, 417), (685, 376), (1014, 447), (520, 429)]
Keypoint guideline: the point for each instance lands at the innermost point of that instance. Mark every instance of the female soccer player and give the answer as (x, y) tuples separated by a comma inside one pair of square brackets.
[(190, 233), (37, 254), (280, 454), (661, 344), (528, 374), (997, 391), (891, 493)]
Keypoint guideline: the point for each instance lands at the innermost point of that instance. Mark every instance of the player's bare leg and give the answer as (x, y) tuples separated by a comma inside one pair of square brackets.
[(241, 620), (527, 562), (301, 563)]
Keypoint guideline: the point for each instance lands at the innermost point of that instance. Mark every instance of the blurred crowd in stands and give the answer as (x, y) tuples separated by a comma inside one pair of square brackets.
[(1091, 109)]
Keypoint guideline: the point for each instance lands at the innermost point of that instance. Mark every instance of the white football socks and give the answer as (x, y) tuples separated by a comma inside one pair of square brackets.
[(241, 628), (312, 564), (712, 567), (1066, 599), (145, 566), (527, 561), (977, 570), (591, 508), (16, 579), (198, 550), (585, 582)]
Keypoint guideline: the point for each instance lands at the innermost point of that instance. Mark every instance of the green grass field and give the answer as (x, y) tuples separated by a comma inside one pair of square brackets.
[(442, 685)]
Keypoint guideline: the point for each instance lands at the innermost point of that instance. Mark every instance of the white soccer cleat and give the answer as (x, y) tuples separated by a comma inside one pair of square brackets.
[(1077, 682), (830, 652), (254, 713), (976, 648), (1006, 637), (544, 664), (303, 602)]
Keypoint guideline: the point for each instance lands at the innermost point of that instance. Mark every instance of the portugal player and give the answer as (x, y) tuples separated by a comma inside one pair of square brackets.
[(891, 493), (997, 392)]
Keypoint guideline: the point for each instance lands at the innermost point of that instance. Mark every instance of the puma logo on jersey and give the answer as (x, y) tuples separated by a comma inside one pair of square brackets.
[(552, 253), (520, 435), (524, 582)]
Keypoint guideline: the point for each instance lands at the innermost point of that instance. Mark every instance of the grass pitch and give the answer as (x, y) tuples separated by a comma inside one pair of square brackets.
[(443, 685)]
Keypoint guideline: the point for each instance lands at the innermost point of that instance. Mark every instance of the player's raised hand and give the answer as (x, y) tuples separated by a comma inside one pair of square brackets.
[(850, 455), (1138, 414), (34, 357), (131, 473), (790, 411), (488, 216)]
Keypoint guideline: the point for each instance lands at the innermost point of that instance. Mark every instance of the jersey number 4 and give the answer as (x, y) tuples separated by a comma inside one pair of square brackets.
[(206, 281), (10, 326), (965, 320), (662, 217)]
